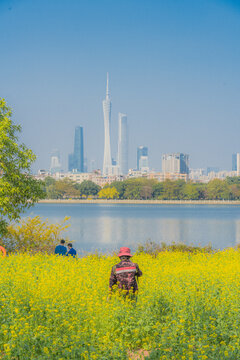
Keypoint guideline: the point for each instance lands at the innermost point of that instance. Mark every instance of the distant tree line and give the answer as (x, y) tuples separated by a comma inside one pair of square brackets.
[(145, 189)]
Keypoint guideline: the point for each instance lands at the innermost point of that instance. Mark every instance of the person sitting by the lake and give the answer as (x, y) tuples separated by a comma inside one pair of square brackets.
[(71, 250), (60, 249), (125, 273)]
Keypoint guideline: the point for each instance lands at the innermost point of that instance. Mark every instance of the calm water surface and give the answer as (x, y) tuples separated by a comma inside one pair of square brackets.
[(106, 227)]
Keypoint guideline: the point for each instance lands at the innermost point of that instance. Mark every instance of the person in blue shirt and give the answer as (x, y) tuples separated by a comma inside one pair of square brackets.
[(61, 249), (71, 251)]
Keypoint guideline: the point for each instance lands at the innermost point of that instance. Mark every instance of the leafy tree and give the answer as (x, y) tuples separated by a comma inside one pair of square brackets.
[(132, 191), (66, 189), (235, 191), (172, 190), (49, 181), (52, 193), (88, 188), (139, 188), (108, 193), (157, 190), (190, 191), (18, 189), (217, 189), (233, 180), (146, 192), (120, 186)]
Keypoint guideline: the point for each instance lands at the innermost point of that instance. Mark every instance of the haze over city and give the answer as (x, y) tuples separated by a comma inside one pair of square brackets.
[(173, 67)]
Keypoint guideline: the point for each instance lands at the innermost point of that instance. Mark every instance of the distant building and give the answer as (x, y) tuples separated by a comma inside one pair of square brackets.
[(212, 169), (143, 164), (142, 158), (122, 144), (234, 162), (76, 159), (55, 162), (177, 163), (71, 162), (238, 164), (93, 165)]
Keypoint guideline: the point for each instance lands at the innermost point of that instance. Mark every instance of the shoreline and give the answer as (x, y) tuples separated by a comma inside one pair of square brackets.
[(140, 202)]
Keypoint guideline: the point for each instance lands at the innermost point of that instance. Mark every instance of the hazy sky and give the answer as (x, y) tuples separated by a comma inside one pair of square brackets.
[(174, 68)]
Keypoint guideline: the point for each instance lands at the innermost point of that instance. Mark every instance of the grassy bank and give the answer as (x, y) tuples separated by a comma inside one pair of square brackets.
[(56, 308)]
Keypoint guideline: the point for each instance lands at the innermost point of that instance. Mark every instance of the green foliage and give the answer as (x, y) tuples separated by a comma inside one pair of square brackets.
[(66, 188), (18, 190), (191, 191), (218, 190), (139, 188), (34, 235), (233, 180), (158, 190), (62, 189), (88, 188), (120, 186)]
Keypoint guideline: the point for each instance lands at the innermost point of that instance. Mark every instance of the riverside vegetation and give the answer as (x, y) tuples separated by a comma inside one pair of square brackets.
[(145, 189)]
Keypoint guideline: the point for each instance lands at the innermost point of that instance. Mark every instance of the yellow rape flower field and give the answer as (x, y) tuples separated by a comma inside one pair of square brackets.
[(188, 307)]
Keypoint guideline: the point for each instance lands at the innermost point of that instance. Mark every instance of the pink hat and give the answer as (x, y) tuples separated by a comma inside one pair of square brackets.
[(124, 251)]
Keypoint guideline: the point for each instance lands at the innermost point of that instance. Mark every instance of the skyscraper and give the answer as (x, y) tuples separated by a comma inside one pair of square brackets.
[(122, 144), (175, 163), (238, 163), (55, 162), (107, 160), (142, 152), (234, 162), (76, 160)]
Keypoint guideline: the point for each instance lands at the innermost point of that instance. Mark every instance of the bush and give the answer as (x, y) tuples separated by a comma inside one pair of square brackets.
[(152, 248), (34, 235)]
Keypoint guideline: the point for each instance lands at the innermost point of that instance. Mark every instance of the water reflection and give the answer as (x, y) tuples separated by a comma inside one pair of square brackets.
[(103, 228)]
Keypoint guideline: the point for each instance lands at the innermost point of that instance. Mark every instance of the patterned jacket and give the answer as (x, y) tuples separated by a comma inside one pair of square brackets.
[(124, 274)]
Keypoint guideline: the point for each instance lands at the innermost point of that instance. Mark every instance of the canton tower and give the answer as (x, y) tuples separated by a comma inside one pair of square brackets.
[(107, 160)]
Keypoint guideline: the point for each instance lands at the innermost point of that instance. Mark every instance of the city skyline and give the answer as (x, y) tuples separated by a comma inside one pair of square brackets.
[(174, 71)]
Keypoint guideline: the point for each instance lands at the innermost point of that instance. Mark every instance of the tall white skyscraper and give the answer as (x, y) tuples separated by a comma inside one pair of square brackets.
[(107, 160), (122, 144)]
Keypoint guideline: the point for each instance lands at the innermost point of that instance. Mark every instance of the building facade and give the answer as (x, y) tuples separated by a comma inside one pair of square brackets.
[(175, 163), (122, 144), (142, 157), (76, 159), (107, 158)]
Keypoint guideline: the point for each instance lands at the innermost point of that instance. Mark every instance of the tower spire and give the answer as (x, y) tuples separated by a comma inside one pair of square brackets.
[(107, 90)]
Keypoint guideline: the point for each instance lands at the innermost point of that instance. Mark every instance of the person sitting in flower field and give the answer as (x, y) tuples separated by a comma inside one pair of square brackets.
[(71, 250), (61, 249), (125, 273)]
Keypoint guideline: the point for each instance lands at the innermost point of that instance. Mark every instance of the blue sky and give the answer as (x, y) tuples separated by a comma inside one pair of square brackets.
[(174, 69)]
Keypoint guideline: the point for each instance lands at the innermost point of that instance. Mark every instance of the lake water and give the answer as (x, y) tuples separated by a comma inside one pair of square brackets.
[(106, 227)]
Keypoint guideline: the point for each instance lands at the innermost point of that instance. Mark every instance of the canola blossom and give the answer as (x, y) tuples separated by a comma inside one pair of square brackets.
[(188, 308)]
